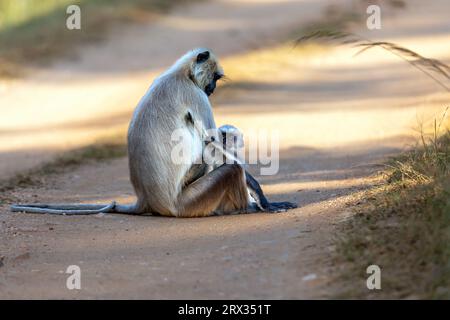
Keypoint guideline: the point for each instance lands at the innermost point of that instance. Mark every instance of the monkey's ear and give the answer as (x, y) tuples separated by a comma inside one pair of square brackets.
[(202, 57)]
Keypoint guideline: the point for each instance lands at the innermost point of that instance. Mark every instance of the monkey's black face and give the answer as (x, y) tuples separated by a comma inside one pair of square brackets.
[(209, 89)]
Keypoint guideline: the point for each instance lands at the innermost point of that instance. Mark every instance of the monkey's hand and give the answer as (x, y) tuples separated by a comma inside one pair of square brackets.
[(274, 207)]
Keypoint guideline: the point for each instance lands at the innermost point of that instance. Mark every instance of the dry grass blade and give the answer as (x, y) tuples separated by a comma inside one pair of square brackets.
[(425, 65), (320, 34), (413, 57)]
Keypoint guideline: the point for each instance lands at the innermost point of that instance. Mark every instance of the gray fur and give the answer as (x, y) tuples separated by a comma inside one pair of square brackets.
[(157, 115)]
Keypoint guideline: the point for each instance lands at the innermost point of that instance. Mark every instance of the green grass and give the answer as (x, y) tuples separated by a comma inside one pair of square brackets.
[(35, 31), (404, 227), (16, 12)]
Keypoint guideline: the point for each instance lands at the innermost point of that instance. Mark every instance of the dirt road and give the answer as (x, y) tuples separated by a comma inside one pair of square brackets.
[(337, 118)]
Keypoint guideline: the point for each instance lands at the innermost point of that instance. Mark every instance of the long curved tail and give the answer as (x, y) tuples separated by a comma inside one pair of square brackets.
[(75, 209)]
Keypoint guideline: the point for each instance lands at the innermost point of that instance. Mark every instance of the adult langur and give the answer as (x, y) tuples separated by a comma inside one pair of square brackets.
[(177, 100)]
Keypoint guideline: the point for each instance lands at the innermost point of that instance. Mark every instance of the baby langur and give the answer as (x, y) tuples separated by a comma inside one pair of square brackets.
[(229, 149)]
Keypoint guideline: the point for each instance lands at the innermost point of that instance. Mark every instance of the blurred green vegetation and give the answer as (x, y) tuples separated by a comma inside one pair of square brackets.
[(34, 31), (15, 12)]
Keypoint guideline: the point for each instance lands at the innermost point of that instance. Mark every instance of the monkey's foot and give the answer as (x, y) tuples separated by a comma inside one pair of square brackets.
[(275, 207)]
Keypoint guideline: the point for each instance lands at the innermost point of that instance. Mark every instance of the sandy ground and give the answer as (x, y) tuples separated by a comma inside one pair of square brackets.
[(337, 118)]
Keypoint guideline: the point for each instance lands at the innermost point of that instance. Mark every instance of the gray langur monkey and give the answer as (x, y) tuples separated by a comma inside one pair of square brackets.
[(229, 147), (175, 101)]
